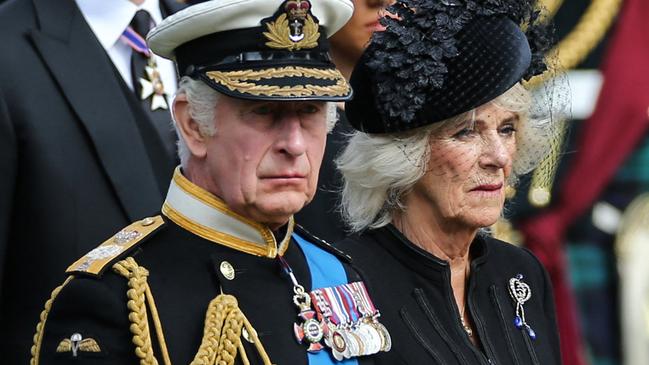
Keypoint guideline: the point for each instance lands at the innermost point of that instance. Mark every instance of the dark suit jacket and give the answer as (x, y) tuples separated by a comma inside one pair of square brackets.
[(74, 166)]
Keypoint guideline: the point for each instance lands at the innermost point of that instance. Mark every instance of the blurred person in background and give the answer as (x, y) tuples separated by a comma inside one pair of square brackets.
[(592, 236), (86, 141)]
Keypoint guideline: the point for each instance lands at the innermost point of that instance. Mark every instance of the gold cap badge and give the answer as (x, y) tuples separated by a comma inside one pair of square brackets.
[(294, 27)]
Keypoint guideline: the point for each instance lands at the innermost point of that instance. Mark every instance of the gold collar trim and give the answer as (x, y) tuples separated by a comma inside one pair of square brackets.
[(207, 216)]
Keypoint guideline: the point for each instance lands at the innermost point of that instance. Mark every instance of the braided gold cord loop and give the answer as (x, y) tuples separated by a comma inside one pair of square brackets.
[(139, 327), (576, 46), (158, 326), (40, 327), (221, 342), (230, 338), (255, 339)]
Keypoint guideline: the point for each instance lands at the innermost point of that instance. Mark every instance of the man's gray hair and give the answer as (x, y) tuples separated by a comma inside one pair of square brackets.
[(378, 170), (202, 101)]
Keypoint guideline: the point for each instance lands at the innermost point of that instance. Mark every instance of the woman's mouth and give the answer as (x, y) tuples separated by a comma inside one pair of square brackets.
[(375, 26), (488, 190)]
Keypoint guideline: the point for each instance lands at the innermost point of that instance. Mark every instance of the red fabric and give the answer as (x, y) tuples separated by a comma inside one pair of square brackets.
[(618, 123)]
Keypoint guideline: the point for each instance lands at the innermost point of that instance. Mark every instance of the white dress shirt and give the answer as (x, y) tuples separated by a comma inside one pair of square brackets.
[(109, 19)]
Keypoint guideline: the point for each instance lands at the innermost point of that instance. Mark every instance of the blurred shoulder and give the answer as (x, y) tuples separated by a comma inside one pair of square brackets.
[(16, 16)]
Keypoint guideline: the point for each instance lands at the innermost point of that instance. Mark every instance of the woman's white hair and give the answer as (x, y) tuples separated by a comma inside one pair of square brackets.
[(202, 100), (378, 170)]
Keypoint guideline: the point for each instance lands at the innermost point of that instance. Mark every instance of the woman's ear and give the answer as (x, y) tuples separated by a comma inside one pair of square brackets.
[(188, 128)]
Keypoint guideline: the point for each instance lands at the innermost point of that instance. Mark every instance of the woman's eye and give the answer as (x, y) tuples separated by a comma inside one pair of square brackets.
[(508, 130), (463, 133)]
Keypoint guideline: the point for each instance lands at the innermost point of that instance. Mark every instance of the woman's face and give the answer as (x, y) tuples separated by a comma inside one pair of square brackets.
[(351, 39), (469, 164)]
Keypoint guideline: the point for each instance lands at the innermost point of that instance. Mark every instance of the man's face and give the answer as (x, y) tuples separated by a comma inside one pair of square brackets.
[(265, 157)]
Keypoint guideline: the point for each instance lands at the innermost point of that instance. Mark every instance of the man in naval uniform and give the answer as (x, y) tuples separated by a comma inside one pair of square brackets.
[(224, 275)]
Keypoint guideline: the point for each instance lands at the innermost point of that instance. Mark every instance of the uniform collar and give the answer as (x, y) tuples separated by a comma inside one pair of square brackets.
[(109, 19), (207, 216)]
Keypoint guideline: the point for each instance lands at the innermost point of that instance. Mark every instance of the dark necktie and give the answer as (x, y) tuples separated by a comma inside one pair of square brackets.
[(147, 84)]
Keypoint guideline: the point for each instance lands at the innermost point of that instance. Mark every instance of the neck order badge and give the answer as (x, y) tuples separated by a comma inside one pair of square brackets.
[(149, 80)]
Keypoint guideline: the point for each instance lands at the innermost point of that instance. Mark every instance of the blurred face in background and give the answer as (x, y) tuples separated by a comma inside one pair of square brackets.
[(348, 43)]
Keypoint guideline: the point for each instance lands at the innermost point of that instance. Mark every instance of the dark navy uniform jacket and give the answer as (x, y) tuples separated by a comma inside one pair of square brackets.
[(188, 263)]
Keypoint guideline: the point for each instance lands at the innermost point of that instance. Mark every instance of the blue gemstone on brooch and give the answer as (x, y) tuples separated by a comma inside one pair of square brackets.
[(518, 322)]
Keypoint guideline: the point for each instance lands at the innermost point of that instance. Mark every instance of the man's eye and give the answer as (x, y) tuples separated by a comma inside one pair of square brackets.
[(309, 109), (262, 110)]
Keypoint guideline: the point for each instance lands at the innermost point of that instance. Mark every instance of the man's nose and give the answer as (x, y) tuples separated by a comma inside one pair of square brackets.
[(291, 135)]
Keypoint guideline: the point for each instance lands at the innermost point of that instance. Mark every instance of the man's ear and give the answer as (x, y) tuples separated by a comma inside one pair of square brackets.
[(189, 129)]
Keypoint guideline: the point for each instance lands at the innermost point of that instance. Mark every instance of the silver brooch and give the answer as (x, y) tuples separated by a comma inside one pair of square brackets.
[(521, 293)]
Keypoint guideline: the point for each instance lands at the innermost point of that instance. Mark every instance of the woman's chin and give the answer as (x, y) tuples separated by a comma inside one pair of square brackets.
[(484, 217)]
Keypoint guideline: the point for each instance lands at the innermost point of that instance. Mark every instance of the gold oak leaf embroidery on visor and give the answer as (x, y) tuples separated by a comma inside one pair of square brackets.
[(240, 81)]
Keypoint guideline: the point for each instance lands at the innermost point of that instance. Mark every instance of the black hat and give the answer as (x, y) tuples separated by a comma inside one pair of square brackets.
[(258, 49), (440, 58)]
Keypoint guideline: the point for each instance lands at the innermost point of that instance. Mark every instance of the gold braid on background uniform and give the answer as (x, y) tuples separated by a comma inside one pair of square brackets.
[(576, 46), (40, 327), (567, 54), (635, 221)]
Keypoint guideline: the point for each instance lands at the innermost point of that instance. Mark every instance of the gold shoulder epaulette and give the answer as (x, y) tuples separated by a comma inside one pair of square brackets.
[(95, 261)]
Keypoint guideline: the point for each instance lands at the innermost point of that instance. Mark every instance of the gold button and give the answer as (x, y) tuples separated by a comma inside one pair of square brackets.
[(148, 221), (227, 270), (246, 335)]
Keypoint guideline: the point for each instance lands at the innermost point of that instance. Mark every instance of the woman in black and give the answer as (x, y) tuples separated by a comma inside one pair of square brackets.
[(445, 127)]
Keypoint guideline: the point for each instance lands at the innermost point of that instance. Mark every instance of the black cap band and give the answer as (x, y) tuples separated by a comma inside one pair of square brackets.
[(241, 48)]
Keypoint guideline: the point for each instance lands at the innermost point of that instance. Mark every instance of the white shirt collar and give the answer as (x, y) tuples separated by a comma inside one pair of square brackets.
[(109, 19)]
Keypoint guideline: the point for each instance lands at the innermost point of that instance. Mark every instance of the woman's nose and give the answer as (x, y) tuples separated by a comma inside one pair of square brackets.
[(495, 153)]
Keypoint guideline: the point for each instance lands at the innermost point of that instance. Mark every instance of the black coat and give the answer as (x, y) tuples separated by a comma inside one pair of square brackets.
[(413, 291), (184, 275), (74, 165)]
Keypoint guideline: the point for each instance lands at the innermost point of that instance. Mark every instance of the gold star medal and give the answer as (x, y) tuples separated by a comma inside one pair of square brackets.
[(153, 87)]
